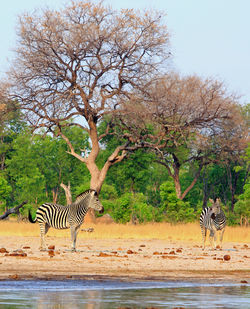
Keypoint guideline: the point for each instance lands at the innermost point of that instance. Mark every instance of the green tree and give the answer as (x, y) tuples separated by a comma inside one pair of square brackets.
[(5, 190), (11, 124), (242, 206), (27, 181), (176, 209), (130, 205)]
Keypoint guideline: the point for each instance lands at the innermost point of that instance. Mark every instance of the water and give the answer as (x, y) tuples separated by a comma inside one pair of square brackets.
[(92, 294)]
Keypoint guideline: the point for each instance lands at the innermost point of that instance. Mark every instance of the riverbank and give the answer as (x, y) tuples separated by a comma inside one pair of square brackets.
[(123, 259)]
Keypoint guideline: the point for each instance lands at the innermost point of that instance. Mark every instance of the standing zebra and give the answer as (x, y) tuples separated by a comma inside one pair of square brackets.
[(212, 219), (64, 217)]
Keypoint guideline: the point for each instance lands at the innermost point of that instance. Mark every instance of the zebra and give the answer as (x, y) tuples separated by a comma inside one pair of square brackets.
[(212, 219), (64, 217)]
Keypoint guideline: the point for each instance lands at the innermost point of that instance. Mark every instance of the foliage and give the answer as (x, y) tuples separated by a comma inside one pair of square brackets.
[(129, 206), (176, 209), (5, 190), (242, 206)]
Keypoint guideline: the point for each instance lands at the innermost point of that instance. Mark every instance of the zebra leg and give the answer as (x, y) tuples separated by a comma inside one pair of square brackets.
[(211, 238), (221, 237), (215, 239), (204, 235), (74, 232), (44, 227)]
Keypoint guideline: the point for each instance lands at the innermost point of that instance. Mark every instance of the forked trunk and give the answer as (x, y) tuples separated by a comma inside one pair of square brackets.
[(67, 191)]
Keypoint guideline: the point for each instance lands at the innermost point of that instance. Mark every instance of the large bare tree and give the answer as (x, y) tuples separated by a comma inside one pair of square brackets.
[(186, 121), (76, 65)]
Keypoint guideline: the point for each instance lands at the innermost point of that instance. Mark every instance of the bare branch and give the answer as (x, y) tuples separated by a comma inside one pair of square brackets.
[(14, 210)]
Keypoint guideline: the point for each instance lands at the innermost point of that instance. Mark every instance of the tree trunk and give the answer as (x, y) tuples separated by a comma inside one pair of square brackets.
[(55, 194), (97, 176), (67, 191), (177, 186), (232, 182)]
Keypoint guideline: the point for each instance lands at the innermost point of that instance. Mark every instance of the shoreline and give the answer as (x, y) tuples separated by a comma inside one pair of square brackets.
[(189, 276)]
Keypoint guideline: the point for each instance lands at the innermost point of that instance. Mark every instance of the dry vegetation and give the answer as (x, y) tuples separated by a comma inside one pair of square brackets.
[(183, 232)]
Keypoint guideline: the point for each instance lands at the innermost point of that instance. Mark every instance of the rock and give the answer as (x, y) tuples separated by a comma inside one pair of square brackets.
[(51, 253), (243, 281), (52, 247), (130, 252), (227, 257), (102, 254), (17, 253), (3, 250), (15, 277)]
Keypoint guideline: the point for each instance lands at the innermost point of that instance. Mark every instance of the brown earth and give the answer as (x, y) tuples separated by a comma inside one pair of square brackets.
[(128, 259)]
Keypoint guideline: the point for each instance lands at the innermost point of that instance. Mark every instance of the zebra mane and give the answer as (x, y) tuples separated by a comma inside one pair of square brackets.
[(82, 195)]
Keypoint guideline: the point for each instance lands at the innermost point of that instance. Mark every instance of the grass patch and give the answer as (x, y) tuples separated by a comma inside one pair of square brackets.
[(183, 232)]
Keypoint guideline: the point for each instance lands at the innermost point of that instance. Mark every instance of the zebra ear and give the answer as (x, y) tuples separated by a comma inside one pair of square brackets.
[(217, 201), (211, 200)]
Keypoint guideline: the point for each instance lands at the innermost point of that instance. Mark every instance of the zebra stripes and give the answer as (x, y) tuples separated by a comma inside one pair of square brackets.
[(212, 219), (64, 217)]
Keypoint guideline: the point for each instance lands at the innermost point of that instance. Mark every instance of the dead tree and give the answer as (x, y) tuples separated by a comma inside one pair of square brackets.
[(14, 210)]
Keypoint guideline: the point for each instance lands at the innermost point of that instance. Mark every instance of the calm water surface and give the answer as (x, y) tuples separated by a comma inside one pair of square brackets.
[(91, 294)]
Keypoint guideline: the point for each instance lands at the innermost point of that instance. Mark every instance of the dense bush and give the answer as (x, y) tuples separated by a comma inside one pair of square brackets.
[(176, 209)]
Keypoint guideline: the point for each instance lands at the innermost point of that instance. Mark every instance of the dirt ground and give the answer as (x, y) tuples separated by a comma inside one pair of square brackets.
[(126, 259)]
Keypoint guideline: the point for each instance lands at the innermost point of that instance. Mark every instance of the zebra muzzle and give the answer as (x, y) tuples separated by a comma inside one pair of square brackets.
[(101, 210)]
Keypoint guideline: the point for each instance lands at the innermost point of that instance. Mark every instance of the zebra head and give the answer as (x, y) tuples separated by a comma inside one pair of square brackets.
[(94, 202), (215, 209)]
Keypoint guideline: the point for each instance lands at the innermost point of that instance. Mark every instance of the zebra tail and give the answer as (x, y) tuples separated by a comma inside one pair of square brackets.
[(30, 218)]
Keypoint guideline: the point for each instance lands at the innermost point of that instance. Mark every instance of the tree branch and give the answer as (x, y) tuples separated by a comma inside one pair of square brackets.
[(14, 210)]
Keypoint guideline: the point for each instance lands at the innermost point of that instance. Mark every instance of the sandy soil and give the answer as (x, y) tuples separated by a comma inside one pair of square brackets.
[(127, 259)]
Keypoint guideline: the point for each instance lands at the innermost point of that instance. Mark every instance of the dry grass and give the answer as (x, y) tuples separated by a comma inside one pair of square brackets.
[(183, 232)]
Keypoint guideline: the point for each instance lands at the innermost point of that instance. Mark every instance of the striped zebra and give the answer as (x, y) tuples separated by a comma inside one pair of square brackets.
[(212, 219), (64, 217)]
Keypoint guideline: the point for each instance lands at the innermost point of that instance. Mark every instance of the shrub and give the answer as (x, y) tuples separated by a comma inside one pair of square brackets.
[(176, 209)]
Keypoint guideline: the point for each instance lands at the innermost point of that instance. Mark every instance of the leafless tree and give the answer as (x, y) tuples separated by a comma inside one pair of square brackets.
[(76, 65), (186, 121), (67, 191), (14, 210)]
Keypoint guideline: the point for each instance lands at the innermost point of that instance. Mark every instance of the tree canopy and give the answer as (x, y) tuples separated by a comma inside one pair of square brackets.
[(74, 66)]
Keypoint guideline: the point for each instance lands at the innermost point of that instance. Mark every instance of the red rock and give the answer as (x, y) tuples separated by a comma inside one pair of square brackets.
[(51, 253), (15, 277), (102, 254), (156, 253), (227, 257), (130, 252), (52, 247)]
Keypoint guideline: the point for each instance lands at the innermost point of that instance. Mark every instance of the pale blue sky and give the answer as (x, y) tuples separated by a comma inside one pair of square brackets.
[(210, 38)]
